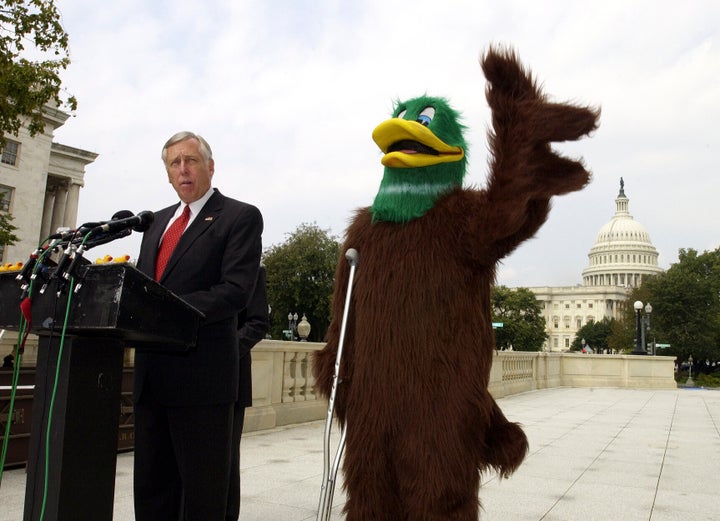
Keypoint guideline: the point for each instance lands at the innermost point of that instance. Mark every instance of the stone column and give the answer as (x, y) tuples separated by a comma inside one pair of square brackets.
[(45, 229), (71, 206), (58, 214)]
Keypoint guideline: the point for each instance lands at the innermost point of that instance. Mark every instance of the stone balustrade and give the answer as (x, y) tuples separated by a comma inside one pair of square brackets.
[(283, 385)]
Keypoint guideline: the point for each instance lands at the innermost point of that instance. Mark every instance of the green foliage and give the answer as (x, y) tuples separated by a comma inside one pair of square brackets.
[(7, 237), (686, 308), (622, 334), (300, 274), (595, 334), (707, 380), (686, 305), (29, 78), (523, 323)]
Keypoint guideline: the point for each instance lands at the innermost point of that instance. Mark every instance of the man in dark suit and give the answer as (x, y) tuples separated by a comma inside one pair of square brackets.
[(254, 322), (184, 403)]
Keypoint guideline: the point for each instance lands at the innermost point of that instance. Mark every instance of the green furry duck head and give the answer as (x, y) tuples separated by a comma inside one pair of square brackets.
[(424, 158)]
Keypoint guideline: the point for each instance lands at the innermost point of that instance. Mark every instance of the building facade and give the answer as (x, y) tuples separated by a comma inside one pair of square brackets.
[(40, 181), (623, 255)]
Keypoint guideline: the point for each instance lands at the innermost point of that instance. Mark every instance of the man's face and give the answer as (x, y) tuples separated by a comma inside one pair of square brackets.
[(188, 171)]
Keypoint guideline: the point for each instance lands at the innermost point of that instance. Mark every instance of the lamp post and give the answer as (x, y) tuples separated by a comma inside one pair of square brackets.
[(292, 324), (690, 382), (643, 324)]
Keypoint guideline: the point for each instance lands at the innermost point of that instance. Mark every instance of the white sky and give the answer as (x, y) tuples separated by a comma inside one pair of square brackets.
[(287, 92)]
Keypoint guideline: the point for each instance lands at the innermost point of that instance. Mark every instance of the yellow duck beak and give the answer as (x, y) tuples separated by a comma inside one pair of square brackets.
[(409, 144)]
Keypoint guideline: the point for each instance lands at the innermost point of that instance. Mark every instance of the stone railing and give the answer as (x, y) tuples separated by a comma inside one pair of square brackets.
[(283, 383), (515, 372)]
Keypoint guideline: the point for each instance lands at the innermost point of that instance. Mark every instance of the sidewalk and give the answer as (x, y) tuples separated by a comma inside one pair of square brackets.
[(595, 454)]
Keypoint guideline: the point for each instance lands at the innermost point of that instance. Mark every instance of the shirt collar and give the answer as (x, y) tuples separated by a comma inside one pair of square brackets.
[(195, 206)]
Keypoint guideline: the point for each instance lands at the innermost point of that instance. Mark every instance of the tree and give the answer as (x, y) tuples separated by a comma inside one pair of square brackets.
[(300, 274), (595, 334), (29, 78), (623, 331), (523, 324), (7, 237), (686, 307)]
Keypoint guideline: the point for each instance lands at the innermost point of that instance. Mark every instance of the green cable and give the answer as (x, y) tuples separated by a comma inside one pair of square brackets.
[(22, 337), (52, 400), (13, 392)]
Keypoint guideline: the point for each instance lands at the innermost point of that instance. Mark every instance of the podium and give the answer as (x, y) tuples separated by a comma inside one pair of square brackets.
[(76, 404)]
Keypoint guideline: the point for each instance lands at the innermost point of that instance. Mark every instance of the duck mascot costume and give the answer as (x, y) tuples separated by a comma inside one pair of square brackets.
[(418, 345)]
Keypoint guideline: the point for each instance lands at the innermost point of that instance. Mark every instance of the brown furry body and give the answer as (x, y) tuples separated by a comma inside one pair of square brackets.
[(422, 425)]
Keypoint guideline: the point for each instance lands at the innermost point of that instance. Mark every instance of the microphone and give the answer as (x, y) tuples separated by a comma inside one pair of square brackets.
[(96, 236), (60, 270), (63, 234), (84, 240), (139, 223), (24, 275), (121, 225), (76, 254)]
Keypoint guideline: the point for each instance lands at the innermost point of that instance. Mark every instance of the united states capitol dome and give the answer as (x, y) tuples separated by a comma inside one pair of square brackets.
[(623, 253)]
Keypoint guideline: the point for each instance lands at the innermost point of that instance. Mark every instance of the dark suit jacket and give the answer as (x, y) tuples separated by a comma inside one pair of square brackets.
[(214, 268), (253, 323)]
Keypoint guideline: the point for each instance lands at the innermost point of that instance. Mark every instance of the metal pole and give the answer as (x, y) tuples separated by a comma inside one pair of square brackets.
[(643, 345), (329, 474), (638, 335)]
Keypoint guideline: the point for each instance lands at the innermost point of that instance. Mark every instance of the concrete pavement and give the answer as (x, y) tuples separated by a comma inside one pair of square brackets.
[(595, 454)]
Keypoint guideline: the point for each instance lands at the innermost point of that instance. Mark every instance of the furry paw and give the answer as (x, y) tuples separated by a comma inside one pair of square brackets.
[(507, 446)]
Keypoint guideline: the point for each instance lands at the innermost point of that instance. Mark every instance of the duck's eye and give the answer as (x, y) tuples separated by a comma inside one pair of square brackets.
[(401, 114), (426, 116)]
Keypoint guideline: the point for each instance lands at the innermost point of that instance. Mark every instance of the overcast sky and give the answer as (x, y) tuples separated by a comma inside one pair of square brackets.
[(287, 92)]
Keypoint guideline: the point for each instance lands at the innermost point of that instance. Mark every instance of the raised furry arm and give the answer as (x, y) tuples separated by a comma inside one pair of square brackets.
[(524, 170)]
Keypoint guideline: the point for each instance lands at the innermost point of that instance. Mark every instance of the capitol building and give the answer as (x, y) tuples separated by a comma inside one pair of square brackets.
[(623, 255)]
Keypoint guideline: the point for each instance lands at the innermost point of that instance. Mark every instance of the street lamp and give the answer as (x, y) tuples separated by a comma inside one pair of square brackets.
[(292, 324), (643, 324), (690, 382)]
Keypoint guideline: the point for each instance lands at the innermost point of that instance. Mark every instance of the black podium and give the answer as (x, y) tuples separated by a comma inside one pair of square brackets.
[(76, 402)]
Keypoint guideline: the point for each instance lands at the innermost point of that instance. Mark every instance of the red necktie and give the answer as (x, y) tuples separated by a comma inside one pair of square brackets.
[(170, 240)]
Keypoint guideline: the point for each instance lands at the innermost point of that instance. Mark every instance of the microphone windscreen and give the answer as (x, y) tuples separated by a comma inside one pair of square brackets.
[(146, 219), (121, 214)]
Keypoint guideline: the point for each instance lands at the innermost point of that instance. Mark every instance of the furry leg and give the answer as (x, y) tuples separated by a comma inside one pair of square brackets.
[(370, 483), (437, 477)]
